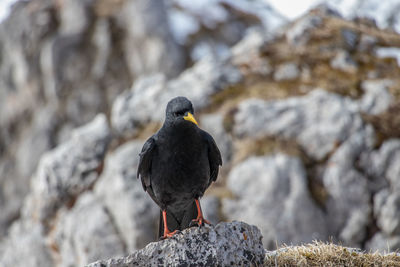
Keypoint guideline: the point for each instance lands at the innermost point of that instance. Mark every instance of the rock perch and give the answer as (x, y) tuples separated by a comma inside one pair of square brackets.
[(235, 244)]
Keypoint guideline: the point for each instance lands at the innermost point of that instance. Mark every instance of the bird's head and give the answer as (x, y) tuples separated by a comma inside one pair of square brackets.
[(180, 109)]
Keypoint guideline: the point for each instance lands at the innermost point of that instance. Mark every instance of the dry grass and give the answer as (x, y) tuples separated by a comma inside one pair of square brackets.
[(328, 254)]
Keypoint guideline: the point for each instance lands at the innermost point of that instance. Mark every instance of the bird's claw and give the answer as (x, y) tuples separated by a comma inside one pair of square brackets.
[(199, 222), (169, 234)]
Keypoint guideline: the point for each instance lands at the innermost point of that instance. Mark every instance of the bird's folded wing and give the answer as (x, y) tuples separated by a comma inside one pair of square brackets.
[(214, 157), (144, 168)]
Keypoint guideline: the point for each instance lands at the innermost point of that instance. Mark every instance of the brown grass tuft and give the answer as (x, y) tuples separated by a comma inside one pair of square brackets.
[(328, 254)]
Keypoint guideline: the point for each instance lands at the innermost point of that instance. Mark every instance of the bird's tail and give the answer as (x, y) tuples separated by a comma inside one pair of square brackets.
[(178, 221)]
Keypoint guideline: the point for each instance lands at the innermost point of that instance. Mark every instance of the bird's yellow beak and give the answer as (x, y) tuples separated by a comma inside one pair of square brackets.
[(189, 117)]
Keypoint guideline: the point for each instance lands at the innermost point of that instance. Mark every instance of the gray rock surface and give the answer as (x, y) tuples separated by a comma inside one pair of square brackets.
[(350, 38), (86, 233), (210, 29), (235, 243), (149, 42), (131, 209), (38, 137), (245, 53), (376, 98), (271, 192), (318, 121), (383, 163), (64, 62), (116, 209), (61, 64), (63, 175), (383, 171), (299, 33), (68, 170), (25, 248), (210, 205), (382, 243), (330, 127), (129, 111), (286, 71), (143, 102), (348, 206), (213, 124), (389, 52), (384, 14), (344, 62), (388, 215)]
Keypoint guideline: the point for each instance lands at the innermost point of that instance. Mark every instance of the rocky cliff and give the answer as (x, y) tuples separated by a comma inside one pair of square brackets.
[(307, 120)]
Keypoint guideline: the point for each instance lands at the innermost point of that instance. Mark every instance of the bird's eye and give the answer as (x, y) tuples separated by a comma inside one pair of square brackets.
[(179, 113)]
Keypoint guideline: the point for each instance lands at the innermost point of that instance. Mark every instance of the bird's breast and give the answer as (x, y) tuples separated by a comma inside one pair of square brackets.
[(182, 163)]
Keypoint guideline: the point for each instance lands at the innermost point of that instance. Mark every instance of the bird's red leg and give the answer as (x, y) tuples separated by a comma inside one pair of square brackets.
[(200, 219), (167, 233)]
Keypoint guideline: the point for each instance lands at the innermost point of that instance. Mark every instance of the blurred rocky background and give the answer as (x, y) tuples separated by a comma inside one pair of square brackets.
[(306, 112)]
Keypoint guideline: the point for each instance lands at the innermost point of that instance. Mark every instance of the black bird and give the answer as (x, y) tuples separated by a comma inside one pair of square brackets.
[(177, 164)]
